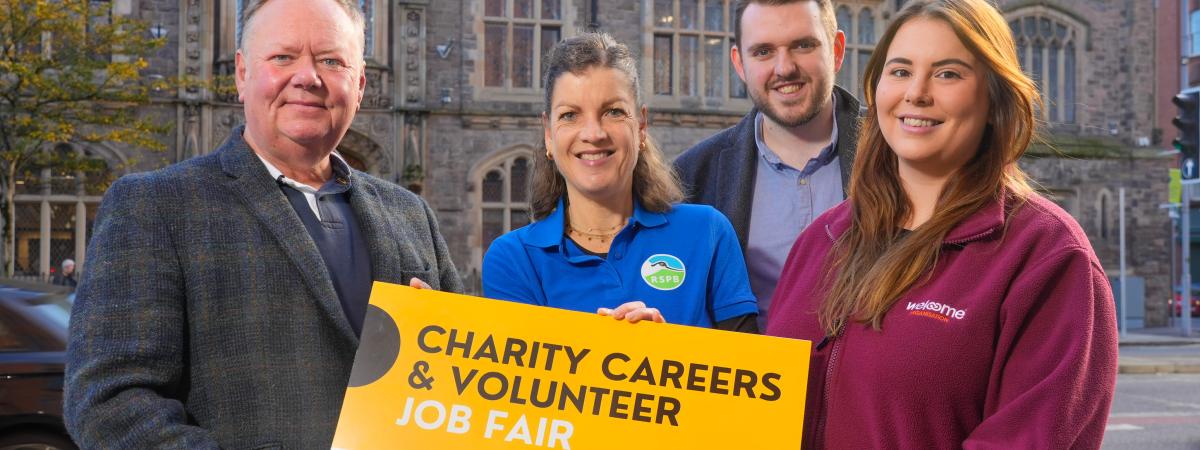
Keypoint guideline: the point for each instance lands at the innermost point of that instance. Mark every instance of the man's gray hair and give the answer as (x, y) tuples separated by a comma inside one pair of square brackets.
[(351, 7)]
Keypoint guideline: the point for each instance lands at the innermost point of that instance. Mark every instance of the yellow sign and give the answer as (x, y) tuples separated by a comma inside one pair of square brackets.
[(447, 371), (1174, 186)]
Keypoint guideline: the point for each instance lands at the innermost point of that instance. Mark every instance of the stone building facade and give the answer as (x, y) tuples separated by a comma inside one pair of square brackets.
[(453, 103)]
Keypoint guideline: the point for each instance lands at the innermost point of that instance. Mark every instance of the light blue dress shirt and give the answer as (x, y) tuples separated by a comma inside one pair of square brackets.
[(786, 200)]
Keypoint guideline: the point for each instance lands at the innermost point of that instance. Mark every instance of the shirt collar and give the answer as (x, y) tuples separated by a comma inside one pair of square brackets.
[(548, 232), (769, 155), (341, 174)]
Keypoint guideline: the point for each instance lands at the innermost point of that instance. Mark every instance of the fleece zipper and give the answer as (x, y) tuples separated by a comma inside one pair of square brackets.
[(834, 352)]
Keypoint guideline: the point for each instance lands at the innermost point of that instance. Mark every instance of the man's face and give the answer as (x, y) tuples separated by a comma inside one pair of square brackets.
[(300, 75), (787, 60), (68, 269)]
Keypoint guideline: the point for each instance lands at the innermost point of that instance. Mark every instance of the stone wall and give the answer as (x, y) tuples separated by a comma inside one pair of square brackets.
[(450, 137), (1079, 185)]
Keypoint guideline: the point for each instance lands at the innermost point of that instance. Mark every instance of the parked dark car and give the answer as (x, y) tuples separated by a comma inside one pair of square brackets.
[(33, 338)]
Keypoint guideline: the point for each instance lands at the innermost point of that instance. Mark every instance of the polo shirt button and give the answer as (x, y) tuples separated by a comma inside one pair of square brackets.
[(803, 181)]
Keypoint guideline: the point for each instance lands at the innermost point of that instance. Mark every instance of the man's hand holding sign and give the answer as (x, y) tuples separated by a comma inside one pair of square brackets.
[(439, 370)]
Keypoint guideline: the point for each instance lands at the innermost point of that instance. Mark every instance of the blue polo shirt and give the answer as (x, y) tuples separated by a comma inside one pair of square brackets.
[(685, 262)]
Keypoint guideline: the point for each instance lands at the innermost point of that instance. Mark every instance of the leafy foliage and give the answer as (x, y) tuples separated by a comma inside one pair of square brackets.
[(70, 71)]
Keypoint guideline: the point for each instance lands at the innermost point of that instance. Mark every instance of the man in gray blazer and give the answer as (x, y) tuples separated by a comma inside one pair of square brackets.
[(789, 159), (225, 294)]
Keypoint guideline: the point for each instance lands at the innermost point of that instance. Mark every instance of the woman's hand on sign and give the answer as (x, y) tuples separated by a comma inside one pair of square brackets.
[(634, 312), (416, 283)]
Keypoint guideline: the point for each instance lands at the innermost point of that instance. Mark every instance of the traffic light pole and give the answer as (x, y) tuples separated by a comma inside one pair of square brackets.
[(1185, 253), (1188, 145)]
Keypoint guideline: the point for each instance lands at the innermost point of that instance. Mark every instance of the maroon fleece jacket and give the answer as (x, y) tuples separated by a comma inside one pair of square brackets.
[(1010, 343)]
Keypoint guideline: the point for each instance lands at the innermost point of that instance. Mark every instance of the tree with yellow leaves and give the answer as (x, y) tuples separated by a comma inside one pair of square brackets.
[(70, 71)]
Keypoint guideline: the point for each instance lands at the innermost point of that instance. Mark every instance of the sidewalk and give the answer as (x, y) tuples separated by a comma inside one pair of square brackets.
[(1159, 350)]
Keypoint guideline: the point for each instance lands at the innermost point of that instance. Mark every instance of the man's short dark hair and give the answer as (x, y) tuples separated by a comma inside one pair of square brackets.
[(827, 16)]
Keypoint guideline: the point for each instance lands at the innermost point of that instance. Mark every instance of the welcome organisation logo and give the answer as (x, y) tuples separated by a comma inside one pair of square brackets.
[(663, 272)]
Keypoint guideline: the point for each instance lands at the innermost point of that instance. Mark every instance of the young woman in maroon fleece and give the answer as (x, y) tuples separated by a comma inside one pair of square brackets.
[(951, 305)]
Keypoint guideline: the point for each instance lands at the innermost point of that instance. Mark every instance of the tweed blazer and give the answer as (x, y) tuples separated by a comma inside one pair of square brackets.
[(206, 317), (720, 170)]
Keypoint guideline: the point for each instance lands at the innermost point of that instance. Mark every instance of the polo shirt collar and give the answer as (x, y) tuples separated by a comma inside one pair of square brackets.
[(341, 174), (548, 232), (646, 218), (983, 223)]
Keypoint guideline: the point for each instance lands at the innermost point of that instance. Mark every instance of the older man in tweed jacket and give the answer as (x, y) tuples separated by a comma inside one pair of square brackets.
[(225, 294)]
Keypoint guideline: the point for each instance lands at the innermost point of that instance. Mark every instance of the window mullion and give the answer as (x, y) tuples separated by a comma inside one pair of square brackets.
[(536, 70), (509, 49), (506, 196), (1045, 75), (675, 49), (675, 65), (1060, 83), (506, 169), (702, 67), (726, 93), (854, 26)]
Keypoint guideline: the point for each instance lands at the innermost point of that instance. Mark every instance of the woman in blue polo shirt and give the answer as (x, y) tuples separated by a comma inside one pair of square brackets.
[(608, 234)]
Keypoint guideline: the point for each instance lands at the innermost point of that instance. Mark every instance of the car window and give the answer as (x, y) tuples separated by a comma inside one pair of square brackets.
[(54, 308)]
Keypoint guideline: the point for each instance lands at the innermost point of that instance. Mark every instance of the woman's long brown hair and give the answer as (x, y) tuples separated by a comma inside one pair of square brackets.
[(872, 266)]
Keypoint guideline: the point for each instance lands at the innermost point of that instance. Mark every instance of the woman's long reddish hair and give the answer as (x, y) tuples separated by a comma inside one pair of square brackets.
[(873, 267)]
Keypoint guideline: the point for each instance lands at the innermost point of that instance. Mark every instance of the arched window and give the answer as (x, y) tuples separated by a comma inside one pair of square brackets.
[(1047, 41), (845, 23), (866, 26), (55, 207), (502, 193), (859, 24), (1104, 214)]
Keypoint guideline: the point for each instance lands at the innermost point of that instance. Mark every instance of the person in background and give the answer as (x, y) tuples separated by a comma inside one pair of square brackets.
[(65, 277), (225, 295), (950, 304), (609, 235), (789, 158)]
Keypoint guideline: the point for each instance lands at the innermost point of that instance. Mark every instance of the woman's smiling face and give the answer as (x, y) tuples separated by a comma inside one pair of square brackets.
[(594, 132), (932, 99)]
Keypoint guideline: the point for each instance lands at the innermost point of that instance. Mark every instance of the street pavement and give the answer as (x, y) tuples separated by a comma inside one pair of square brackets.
[(1157, 402), (1155, 411), (1160, 350)]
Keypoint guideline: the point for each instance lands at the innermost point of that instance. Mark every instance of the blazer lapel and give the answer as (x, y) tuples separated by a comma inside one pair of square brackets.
[(736, 174), (847, 141), (369, 209), (261, 195)]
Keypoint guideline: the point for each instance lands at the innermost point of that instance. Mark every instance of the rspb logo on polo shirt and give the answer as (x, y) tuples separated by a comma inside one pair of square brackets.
[(663, 272)]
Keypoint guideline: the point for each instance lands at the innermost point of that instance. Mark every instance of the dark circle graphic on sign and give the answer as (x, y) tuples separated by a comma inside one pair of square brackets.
[(377, 349)]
